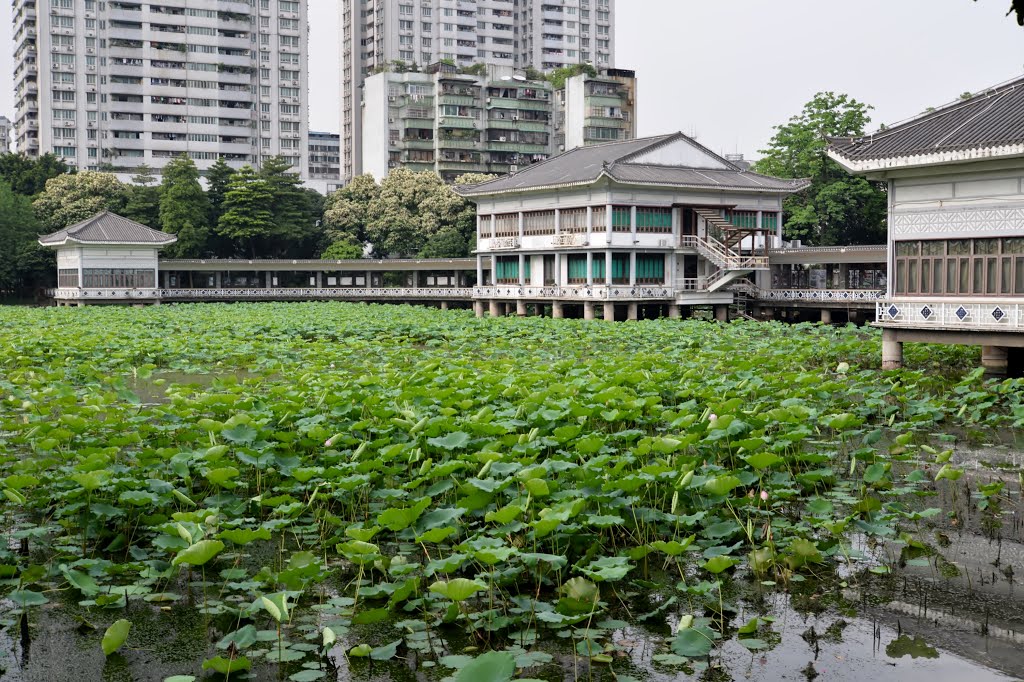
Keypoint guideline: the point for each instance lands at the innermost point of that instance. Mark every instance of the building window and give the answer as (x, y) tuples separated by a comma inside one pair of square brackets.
[(959, 267)]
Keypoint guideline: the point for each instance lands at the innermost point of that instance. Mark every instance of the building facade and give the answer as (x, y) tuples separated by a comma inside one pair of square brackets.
[(956, 225), (5, 135), (543, 34), (453, 123), (324, 171), (596, 109), (657, 223), (122, 83)]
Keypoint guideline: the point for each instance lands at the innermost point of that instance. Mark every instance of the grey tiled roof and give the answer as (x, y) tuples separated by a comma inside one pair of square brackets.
[(585, 165), (108, 228), (989, 119)]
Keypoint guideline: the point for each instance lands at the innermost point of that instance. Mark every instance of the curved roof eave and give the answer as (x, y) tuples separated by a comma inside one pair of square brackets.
[(923, 159)]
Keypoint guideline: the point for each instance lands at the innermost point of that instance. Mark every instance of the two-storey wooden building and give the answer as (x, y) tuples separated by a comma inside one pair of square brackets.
[(956, 225), (658, 222)]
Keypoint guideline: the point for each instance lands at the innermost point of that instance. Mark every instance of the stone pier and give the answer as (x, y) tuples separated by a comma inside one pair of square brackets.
[(609, 312), (588, 311), (557, 310), (892, 350)]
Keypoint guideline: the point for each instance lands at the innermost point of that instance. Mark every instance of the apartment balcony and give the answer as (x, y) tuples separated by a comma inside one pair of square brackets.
[(520, 147), (526, 126), (417, 122), (606, 122), (458, 144), (458, 122), (459, 100), (418, 144), (519, 104)]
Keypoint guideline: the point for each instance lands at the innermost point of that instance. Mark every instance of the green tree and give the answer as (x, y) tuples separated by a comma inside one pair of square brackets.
[(345, 210), (143, 200), (448, 242), (248, 217), (28, 176), (217, 178), (557, 77), (25, 266), (838, 208), (71, 198), (343, 250), (184, 209), (412, 207), (292, 212)]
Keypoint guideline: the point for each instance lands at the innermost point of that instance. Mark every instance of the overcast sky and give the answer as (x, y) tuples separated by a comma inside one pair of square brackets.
[(730, 70)]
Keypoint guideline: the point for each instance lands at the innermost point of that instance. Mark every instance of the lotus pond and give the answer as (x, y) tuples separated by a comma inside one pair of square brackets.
[(332, 491)]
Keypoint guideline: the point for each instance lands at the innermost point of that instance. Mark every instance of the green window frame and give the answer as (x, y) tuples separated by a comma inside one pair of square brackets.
[(577, 269), (650, 269)]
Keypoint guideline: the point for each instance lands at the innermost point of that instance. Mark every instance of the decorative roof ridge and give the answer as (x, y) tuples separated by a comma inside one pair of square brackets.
[(672, 137)]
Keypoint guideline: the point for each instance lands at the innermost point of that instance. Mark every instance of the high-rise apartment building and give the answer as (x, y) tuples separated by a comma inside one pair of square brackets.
[(543, 34), (451, 122), (122, 83), (5, 135), (324, 162)]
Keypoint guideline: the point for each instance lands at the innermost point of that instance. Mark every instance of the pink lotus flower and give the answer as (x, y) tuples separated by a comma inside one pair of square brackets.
[(712, 417), (328, 442), (764, 495)]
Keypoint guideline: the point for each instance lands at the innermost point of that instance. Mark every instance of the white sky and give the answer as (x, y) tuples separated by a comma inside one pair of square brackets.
[(730, 70)]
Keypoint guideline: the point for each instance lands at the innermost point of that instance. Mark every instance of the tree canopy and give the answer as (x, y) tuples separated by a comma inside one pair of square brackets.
[(248, 216), (24, 264), (410, 209), (69, 199), (838, 208), (27, 176), (184, 208)]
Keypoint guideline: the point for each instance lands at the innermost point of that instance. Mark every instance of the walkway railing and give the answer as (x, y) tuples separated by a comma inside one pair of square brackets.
[(716, 252), (931, 313), (582, 292), (347, 293)]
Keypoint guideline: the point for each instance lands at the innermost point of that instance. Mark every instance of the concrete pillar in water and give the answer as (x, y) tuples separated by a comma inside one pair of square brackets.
[(826, 316), (478, 308), (588, 311), (521, 308), (673, 311), (633, 313), (722, 313), (995, 360), (557, 310), (495, 310), (892, 350), (444, 305), (609, 312)]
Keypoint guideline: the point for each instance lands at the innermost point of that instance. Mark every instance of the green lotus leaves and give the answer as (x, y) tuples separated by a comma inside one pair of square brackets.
[(115, 636), (494, 666), (459, 589), (199, 553), (393, 472)]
